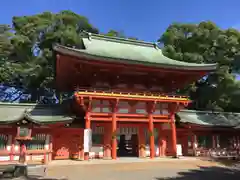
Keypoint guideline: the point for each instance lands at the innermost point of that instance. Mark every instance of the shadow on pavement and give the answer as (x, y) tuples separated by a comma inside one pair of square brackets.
[(41, 178), (32, 178), (207, 173), (229, 162)]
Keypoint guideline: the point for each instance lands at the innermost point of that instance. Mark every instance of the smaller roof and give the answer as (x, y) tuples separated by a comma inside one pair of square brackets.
[(210, 118), (128, 51), (40, 114)]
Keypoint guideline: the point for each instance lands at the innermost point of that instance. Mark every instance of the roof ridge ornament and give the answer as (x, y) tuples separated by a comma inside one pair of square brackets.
[(89, 36)]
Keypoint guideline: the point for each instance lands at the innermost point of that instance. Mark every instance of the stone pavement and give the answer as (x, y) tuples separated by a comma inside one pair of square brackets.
[(127, 169), (120, 160)]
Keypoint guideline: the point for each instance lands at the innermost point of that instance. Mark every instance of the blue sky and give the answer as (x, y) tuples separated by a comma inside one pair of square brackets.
[(144, 19)]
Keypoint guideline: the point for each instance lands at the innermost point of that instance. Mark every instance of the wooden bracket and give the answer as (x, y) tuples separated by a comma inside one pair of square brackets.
[(173, 107), (89, 105), (86, 103), (115, 106), (152, 107)]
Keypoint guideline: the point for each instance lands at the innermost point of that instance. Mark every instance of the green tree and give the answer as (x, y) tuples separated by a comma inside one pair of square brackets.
[(5, 52), (33, 65), (207, 43)]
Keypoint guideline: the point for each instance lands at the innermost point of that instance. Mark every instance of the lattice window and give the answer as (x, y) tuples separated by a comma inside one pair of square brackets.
[(141, 108), (127, 130), (3, 141), (101, 106), (96, 106), (123, 107), (105, 106), (161, 108), (38, 142), (97, 129)]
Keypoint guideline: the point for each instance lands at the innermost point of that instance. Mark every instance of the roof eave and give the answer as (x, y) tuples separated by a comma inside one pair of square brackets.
[(31, 119), (208, 125), (80, 53)]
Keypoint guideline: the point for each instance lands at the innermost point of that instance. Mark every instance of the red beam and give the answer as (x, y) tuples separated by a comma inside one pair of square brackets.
[(162, 120), (101, 114), (108, 119), (138, 99), (127, 115), (132, 120)]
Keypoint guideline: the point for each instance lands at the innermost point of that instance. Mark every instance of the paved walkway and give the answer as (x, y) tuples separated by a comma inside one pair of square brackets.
[(118, 161), (175, 169)]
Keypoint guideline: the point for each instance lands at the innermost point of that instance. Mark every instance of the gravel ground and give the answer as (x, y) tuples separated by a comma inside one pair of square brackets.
[(155, 170), (179, 170)]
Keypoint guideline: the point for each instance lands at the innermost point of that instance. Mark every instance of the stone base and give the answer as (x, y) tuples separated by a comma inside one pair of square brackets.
[(107, 158)]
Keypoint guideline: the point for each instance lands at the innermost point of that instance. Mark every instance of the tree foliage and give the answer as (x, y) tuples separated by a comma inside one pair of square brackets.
[(207, 43), (27, 61)]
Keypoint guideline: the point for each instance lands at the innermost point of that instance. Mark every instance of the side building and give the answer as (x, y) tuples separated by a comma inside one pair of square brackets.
[(57, 133)]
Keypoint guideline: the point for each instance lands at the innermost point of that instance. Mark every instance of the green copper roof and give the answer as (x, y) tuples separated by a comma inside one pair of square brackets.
[(127, 51), (210, 118), (40, 114)]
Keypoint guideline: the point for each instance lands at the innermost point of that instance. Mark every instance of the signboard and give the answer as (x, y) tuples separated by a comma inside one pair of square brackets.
[(87, 144)]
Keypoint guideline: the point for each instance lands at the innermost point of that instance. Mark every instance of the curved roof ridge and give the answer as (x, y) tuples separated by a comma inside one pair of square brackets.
[(36, 113), (158, 59), (120, 39)]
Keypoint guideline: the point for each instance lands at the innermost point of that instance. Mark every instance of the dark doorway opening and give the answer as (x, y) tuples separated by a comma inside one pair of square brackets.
[(128, 145)]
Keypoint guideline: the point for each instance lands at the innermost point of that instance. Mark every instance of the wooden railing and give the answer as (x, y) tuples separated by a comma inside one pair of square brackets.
[(131, 93), (126, 91)]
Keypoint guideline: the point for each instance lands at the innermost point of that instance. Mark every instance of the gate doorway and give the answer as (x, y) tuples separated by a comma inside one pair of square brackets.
[(127, 145)]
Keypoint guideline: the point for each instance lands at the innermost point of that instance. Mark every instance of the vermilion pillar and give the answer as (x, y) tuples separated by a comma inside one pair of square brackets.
[(174, 134), (151, 129), (114, 131), (151, 136), (114, 138), (87, 126), (107, 141)]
